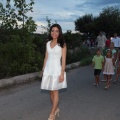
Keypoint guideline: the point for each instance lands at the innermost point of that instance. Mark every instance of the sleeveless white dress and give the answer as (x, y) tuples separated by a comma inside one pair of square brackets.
[(108, 68), (52, 70)]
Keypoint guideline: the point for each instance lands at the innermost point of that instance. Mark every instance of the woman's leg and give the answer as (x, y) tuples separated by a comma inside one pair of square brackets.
[(51, 97), (55, 100)]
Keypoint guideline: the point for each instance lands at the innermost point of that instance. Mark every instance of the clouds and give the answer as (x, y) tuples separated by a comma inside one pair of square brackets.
[(65, 12)]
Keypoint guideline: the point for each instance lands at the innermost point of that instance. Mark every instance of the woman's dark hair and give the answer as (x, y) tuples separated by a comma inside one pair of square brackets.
[(60, 39)]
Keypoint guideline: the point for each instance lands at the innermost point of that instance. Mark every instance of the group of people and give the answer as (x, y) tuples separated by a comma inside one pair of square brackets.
[(89, 43), (107, 59), (53, 72)]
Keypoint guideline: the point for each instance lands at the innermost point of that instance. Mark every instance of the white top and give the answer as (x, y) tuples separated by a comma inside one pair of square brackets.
[(116, 41), (53, 63), (52, 70), (101, 40)]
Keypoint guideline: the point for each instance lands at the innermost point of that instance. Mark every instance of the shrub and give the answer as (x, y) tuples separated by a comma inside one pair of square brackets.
[(86, 61), (77, 55), (18, 58)]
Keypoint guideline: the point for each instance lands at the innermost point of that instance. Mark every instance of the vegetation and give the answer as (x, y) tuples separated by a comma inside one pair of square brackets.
[(22, 51), (86, 61), (108, 21), (17, 50)]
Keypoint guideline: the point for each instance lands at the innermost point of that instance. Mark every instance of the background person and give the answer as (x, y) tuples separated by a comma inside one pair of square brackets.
[(101, 39), (118, 68), (114, 56), (108, 67), (98, 61), (116, 41)]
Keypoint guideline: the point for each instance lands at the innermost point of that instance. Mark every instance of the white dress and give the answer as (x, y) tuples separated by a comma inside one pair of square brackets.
[(108, 68), (52, 70)]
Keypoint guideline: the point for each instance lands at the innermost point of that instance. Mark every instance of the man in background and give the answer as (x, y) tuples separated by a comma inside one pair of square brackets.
[(101, 40), (116, 41)]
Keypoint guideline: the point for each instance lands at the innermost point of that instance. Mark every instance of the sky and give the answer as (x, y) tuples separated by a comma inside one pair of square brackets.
[(65, 12)]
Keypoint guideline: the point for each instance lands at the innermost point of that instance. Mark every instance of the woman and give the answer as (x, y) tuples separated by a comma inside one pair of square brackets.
[(54, 76)]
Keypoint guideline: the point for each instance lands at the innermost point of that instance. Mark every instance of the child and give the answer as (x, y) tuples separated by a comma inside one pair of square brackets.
[(107, 46), (108, 70), (114, 55), (118, 68), (98, 60)]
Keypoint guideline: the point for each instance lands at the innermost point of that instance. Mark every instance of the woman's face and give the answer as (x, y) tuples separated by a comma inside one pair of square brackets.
[(55, 33)]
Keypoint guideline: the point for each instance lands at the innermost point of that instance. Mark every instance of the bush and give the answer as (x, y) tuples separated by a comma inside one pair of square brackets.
[(17, 58), (77, 55), (86, 61)]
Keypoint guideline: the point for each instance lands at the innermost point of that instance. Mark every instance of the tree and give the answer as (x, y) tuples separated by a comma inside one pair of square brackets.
[(10, 16), (109, 20), (27, 23), (17, 51), (47, 28), (85, 23)]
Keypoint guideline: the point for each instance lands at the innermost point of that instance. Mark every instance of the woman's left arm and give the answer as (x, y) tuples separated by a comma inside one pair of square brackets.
[(64, 50)]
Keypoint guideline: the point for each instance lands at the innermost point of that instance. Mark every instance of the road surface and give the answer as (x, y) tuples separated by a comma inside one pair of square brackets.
[(81, 100)]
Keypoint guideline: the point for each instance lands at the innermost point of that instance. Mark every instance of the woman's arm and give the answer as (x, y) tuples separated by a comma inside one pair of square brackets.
[(63, 59), (45, 59), (64, 50)]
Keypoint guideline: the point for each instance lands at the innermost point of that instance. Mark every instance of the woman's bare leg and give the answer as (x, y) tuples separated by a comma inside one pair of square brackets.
[(55, 100), (51, 97)]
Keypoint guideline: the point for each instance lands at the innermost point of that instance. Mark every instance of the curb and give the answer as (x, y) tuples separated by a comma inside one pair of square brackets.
[(9, 82)]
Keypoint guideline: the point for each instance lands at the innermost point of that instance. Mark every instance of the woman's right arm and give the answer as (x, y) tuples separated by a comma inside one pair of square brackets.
[(45, 59)]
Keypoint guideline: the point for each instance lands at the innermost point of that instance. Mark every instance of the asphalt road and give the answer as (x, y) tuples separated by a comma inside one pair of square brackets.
[(81, 100)]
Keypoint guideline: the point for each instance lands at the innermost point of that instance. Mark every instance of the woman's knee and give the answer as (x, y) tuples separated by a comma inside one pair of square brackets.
[(55, 92)]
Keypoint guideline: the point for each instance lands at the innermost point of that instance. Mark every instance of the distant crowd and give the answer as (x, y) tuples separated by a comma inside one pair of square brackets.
[(107, 59), (97, 42)]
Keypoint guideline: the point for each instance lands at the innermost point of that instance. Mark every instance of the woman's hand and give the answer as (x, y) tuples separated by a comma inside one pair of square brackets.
[(61, 78), (41, 74)]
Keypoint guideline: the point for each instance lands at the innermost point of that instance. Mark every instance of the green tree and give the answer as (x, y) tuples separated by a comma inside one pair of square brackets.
[(11, 15), (8, 16), (85, 23), (109, 20), (47, 28), (17, 51)]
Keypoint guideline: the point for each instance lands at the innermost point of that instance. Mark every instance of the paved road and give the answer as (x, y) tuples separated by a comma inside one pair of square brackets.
[(81, 101)]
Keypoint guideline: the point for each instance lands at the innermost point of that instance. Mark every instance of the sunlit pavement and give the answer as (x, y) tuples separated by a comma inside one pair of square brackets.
[(81, 100)]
